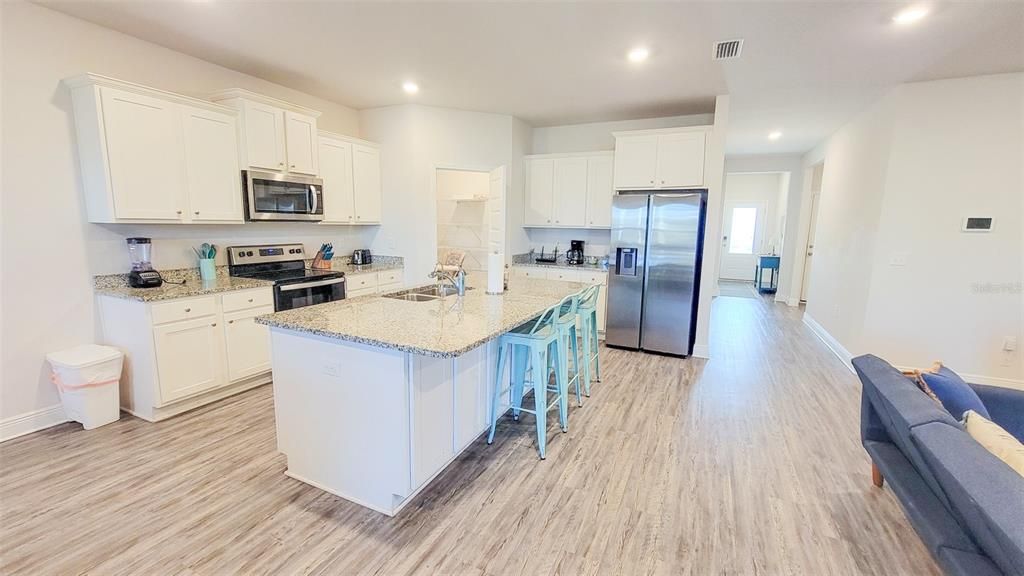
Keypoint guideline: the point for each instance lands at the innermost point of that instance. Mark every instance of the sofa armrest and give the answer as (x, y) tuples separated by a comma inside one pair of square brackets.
[(1005, 405)]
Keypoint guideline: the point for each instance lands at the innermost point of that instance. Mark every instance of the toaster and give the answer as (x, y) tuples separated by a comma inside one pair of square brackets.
[(361, 257)]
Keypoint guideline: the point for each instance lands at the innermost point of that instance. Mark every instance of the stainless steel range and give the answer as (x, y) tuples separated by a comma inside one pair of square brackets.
[(295, 286)]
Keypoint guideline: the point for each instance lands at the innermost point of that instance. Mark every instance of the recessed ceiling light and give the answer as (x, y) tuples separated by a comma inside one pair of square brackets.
[(638, 54), (910, 15), (774, 135), (410, 87)]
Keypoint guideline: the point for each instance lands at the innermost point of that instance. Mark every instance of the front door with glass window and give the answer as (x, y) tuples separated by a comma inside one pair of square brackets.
[(742, 239)]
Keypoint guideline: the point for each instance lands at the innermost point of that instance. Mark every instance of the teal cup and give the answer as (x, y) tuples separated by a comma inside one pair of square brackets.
[(207, 270)]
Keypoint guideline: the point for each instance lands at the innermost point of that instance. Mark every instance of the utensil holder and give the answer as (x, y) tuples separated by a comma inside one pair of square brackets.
[(207, 269)]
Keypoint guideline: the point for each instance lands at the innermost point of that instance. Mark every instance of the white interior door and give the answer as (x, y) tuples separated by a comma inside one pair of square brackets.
[(742, 240), (810, 247)]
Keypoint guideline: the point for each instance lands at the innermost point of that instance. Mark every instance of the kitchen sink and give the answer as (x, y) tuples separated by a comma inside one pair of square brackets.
[(412, 297)]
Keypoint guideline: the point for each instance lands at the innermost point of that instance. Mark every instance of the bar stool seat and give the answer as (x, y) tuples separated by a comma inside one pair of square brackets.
[(531, 346)]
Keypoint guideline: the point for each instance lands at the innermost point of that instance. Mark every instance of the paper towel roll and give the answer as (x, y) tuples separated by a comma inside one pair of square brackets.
[(495, 273)]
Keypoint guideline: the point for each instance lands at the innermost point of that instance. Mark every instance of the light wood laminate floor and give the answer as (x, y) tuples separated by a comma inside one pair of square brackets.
[(746, 464)]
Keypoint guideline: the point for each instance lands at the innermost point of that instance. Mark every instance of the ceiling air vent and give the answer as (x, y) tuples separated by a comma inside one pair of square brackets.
[(727, 50)]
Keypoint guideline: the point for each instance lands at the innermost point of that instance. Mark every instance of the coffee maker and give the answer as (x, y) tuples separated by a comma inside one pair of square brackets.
[(142, 275), (575, 254)]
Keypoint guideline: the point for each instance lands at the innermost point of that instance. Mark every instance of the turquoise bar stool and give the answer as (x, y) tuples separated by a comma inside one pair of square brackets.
[(587, 312), (565, 324), (531, 346)]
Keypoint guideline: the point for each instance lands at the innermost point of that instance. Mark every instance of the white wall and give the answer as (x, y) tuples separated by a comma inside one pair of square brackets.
[(893, 274), (761, 188), (415, 140), (50, 252), (463, 226)]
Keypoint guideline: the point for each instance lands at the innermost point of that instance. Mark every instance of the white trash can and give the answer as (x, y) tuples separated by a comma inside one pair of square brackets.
[(87, 378)]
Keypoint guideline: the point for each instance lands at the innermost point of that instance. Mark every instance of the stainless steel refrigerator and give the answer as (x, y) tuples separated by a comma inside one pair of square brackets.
[(654, 275)]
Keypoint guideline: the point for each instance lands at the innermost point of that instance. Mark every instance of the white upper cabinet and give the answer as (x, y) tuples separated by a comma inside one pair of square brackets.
[(366, 187), (540, 173), (336, 172), (301, 143), (275, 134), (214, 186), (263, 136), (143, 139), (636, 161), (350, 169), (681, 160), (599, 192), (660, 159), (152, 156), (568, 190)]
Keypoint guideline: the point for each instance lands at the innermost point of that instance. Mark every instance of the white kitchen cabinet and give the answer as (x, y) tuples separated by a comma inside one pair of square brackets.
[(247, 343), (275, 134), (563, 274), (586, 275), (301, 143), (150, 156), (539, 192), (263, 136), (187, 352), (670, 158), (189, 357), (211, 166), (433, 416), (143, 139), (336, 172), (681, 160), (350, 169), (570, 192), (366, 185), (600, 190)]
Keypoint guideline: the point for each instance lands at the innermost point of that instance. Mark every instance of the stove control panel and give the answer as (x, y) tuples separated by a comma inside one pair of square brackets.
[(264, 254)]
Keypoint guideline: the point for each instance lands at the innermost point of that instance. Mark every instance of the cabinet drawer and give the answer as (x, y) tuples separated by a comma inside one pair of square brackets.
[(183, 309), (247, 299), (531, 272), (389, 277), (564, 275), (349, 294), (359, 282), (594, 277), (388, 288)]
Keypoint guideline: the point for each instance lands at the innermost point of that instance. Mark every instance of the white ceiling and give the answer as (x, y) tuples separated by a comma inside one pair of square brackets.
[(806, 67)]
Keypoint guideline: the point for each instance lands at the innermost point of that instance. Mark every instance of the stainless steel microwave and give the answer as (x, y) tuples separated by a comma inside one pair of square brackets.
[(279, 196)]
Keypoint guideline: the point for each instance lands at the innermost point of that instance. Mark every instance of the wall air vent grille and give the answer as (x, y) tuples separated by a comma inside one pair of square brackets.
[(727, 50)]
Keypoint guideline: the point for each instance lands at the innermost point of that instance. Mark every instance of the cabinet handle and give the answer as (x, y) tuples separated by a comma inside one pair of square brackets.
[(229, 322), (662, 181), (652, 181), (214, 325), (188, 310), (179, 212), (197, 212), (250, 299), (293, 165), (280, 163)]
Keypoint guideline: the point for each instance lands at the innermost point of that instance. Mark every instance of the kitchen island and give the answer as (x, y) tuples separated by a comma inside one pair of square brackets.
[(375, 396)]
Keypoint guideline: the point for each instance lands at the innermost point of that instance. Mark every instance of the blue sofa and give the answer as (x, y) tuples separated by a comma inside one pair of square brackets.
[(966, 504)]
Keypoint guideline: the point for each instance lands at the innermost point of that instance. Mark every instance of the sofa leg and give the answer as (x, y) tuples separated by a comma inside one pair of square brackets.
[(876, 475)]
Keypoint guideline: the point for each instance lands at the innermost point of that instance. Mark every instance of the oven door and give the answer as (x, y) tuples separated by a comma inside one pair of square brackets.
[(308, 293), (275, 196)]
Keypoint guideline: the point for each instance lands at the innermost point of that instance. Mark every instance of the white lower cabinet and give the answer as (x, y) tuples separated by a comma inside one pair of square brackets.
[(588, 276), (368, 283), (187, 352), (189, 357), (248, 345)]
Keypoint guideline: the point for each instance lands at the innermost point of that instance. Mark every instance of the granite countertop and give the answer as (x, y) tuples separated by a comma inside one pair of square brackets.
[(352, 269), (117, 285), (443, 328), (564, 264)]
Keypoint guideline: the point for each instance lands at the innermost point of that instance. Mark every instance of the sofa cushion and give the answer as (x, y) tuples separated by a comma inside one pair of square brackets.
[(1006, 406), (986, 495), (900, 406), (995, 440), (955, 395), (958, 562)]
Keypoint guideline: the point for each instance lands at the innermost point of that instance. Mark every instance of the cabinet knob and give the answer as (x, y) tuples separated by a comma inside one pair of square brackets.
[(662, 181), (293, 165), (214, 325), (197, 212), (280, 163), (250, 299), (188, 309), (229, 322), (179, 212), (549, 220), (652, 181), (358, 217)]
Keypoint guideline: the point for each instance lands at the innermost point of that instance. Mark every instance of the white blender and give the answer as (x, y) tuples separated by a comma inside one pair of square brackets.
[(142, 275)]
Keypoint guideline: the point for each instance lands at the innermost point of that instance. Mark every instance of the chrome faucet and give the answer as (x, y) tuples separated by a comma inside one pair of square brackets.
[(457, 278)]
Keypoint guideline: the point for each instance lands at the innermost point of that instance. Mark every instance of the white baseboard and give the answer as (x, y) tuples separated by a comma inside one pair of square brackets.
[(794, 302), (842, 353), (31, 422), (701, 351)]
